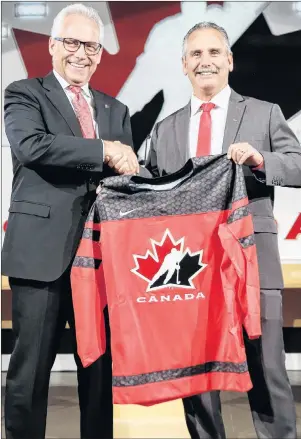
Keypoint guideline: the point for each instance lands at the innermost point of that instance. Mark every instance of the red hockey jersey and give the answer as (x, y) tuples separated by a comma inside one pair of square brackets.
[(178, 260)]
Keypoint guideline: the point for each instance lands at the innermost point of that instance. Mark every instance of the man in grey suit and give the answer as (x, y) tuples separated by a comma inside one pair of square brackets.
[(63, 136), (254, 134)]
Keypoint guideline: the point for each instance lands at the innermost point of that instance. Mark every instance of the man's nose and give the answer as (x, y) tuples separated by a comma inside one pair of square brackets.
[(205, 59), (81, 51), (205, 65)]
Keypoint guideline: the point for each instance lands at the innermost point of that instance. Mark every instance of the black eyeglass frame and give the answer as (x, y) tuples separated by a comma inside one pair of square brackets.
[(62, 40)]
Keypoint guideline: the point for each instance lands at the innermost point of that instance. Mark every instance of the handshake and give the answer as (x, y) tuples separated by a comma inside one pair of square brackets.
[(120, 157)]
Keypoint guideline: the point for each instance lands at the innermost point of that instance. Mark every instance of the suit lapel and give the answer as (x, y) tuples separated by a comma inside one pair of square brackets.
[(182, 135), (236, 109), (58, 97), (102, 114)]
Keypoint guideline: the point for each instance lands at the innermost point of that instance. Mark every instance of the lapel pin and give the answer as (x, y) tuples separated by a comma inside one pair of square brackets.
[(234, 120), (107, 106)]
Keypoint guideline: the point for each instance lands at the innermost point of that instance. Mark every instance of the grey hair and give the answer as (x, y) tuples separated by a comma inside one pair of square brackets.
[(206, 25), (77, 9)]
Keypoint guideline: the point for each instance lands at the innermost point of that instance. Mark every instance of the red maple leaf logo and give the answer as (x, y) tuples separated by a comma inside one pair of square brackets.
[(168, 264), (148, 265)]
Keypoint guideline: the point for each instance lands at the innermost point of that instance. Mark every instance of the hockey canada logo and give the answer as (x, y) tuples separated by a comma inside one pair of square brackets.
[(169, 264)]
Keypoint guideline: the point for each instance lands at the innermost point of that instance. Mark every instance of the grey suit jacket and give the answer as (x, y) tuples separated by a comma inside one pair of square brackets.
[(263, 125)]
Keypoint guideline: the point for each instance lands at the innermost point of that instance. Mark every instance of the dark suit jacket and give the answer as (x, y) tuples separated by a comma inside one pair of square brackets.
[(263, 125), (55, 171)]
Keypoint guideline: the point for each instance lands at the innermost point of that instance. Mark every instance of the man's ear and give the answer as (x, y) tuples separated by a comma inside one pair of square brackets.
[(51, 45), (184, 65), (230, 60)]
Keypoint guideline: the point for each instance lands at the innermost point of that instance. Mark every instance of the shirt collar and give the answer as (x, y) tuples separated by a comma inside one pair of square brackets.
[(221, 100), (64, 84)]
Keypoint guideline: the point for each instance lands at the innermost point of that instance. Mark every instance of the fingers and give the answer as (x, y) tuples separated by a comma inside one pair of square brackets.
[(126, 163), (244, 154), (244, 157), (240, 152), (133, 162), (115, 160), (120, 165), (124, 169), (235, 152), (128, 166)]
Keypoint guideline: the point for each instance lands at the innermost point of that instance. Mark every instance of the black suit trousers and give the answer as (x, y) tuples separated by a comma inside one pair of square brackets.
[(40, 312)]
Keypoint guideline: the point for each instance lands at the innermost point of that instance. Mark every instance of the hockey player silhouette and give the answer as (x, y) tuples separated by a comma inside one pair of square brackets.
[(170, 264)]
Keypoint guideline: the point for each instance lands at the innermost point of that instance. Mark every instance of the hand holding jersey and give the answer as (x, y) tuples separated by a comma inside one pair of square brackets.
[(245, 154)]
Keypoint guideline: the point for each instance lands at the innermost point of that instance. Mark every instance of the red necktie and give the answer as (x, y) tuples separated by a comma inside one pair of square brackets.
[(82, 112), (204, 137)]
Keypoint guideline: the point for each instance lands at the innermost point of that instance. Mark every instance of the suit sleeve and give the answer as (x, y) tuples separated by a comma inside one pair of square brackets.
[(239, 270), (282, 166), (34, 146), (88, 293)]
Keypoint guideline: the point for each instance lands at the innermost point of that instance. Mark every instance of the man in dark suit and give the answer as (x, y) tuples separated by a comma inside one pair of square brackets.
[(63, 137), (255, 134)]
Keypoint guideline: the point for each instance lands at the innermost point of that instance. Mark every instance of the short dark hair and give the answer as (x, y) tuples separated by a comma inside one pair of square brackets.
[(206, 25)]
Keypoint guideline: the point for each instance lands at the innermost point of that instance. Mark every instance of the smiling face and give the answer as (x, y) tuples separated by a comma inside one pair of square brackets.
[(207, 63), (77, 67)]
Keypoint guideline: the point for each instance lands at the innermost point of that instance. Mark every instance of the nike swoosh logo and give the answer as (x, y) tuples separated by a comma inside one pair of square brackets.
[(126, 213)]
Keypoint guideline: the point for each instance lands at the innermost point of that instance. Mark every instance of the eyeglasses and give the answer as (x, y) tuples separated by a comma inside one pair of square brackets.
[(73, 45)]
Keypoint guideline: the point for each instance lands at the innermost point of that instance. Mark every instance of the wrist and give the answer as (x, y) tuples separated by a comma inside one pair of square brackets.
[(106, 147)]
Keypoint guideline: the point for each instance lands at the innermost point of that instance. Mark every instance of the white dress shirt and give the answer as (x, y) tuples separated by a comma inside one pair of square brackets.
[(218, 121), (86, 93)]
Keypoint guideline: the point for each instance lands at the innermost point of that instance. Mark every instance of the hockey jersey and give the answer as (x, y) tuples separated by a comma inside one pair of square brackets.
[(174, 259)]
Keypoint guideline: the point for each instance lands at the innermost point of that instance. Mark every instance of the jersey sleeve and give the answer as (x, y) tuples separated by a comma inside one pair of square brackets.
[(88, 292), (239, 270)]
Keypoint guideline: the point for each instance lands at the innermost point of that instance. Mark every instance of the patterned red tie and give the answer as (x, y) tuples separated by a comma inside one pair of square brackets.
[(82, 112), (204, 137)]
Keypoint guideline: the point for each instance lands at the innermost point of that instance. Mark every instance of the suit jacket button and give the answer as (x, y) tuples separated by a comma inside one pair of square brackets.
[(275, 181)]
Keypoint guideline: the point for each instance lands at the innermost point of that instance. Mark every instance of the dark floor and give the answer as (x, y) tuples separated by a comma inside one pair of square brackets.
[(161, 421)]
